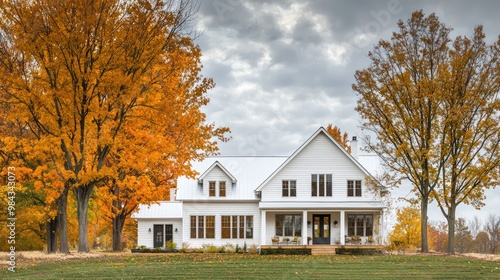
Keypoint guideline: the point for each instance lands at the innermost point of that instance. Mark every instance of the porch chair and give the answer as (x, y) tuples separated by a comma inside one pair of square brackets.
[(296, 240)]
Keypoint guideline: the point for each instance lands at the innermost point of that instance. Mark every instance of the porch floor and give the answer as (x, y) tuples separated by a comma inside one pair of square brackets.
[(323, 249)]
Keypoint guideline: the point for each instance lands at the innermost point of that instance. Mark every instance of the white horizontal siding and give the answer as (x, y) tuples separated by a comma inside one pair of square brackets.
[(218, 210), (145, 238), (164, 209), (321, 156)]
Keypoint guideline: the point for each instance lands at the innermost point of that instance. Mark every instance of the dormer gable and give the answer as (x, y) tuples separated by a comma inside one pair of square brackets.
[(219, 165), (217, 181)]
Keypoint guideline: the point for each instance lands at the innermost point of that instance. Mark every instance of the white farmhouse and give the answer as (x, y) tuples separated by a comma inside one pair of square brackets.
[(318, 192)]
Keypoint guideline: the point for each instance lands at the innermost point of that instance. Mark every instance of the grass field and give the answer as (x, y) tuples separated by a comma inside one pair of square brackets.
[(235, 266)]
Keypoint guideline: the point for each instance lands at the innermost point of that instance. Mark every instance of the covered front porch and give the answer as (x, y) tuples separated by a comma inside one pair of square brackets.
[(314, 227)]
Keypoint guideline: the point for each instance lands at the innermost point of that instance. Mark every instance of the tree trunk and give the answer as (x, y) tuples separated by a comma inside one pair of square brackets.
[(118, 223), (451, 229), (423, 229), (82, 195), (52, 235), (62, 203)]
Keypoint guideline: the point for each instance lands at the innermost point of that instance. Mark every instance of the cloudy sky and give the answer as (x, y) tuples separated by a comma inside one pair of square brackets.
[(284, 68)]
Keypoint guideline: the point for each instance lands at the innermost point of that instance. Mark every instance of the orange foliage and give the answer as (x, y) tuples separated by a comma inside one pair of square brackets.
[(342, 139), (111, 100)]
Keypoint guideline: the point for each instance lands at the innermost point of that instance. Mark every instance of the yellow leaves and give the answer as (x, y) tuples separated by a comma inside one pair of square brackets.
[(407, 229)]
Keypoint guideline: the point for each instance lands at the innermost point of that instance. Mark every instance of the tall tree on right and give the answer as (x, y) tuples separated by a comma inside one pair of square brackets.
[(432, 103)]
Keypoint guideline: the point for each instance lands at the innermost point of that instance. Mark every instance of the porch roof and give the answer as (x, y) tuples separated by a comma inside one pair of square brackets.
[(322, 205), (165, 209)]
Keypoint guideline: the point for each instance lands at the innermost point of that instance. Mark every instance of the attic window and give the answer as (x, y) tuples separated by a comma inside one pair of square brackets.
[(222, 189), (211, 188)]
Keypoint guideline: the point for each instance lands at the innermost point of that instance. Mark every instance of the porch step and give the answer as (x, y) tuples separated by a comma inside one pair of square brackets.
[(330, 250)]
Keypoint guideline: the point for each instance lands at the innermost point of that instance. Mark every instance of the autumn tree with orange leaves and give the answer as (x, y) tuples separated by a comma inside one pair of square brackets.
[(100, 85), (342, 139), (432, 103)]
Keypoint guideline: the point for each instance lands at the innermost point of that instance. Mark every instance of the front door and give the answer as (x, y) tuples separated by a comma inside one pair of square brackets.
[(321, 229), (169, 233), (158, 236)]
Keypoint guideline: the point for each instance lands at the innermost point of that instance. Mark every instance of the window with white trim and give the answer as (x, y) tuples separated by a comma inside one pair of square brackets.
[(360, 224), (222, 188), (211, 188), (217, 189), (321, 185), (354, 188), (202, 227), (289, 188), (288, 225), (236, 227)]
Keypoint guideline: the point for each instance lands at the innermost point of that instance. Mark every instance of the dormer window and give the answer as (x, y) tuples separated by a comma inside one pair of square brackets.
[(211, 188), (217, 188), (222, 189)]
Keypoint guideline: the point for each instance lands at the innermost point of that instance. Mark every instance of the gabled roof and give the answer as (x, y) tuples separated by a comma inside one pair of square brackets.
[(319, 131), (165, 209), (218, 164)]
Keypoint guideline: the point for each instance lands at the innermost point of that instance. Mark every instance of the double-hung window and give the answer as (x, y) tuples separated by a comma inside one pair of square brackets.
[(353, 188), (289, 188), (222, 189), (211, 188)]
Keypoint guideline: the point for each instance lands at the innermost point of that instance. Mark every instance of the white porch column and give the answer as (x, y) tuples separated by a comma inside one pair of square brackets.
[(342, 227), (304, 227), (381, 230), (263, 227)]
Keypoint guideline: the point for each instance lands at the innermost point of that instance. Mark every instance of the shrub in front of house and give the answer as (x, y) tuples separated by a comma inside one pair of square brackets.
[(358, 251), (285, 251), (210, 248)]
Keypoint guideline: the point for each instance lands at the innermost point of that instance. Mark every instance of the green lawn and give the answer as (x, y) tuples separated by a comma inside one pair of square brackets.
[(225, 266)]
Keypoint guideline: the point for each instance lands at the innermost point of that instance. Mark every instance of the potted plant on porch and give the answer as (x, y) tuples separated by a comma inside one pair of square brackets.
[(275, 239), (309, 240), (355, 239)]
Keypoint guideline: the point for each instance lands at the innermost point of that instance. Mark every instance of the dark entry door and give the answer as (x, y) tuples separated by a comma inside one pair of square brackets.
[(321, 229), (158, 236), (169, 233)]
